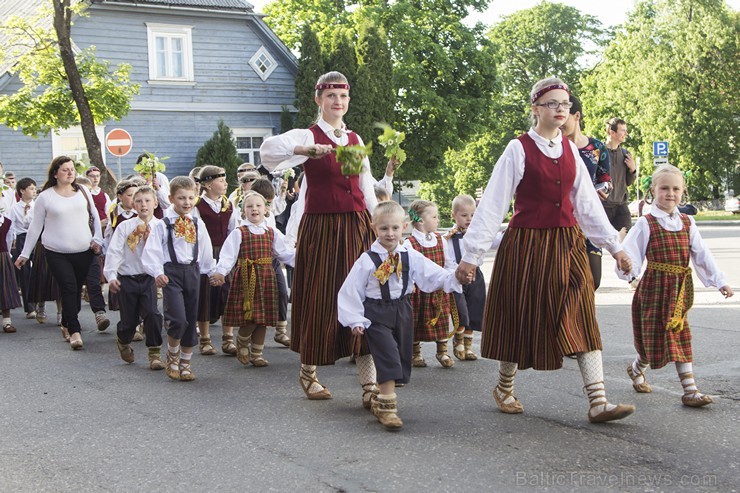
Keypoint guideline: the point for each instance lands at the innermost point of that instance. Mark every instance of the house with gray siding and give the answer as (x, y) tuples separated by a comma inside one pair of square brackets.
[(196, 61)]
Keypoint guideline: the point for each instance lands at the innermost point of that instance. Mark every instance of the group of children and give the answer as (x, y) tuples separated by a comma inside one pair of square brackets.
[(217, 257)]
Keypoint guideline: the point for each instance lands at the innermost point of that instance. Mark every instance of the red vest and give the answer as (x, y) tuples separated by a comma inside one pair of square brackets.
[(543, 196), (99, 201), (330, 191), (4, 233), (217, 223)]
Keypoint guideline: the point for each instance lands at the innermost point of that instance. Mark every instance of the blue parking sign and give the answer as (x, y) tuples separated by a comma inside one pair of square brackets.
[(660, 148)]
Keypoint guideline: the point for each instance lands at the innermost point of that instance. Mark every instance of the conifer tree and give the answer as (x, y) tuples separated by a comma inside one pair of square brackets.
[(286, 120), (220, 150), (310, 68)]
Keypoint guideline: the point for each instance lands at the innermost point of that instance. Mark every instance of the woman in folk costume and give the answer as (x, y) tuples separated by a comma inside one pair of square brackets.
[(541, 302), (334, 230)]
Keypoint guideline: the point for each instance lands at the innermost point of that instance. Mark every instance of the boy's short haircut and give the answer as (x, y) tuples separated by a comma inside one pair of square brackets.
[(381, 193), (83, 180), (181, 183), (461, 200), (9, 174), (387, 208), (264, 187), (146, 189), (24, 183)]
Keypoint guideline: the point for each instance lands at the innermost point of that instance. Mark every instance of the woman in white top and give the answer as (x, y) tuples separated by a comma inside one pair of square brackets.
[(65, 218)]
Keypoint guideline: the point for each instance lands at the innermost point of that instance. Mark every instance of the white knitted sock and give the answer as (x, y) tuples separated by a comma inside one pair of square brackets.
[(592, 372), (366, 369)]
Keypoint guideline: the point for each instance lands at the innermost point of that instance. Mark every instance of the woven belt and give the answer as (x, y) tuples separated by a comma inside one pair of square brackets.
[(249, 282), (676, 322), (438, 300)]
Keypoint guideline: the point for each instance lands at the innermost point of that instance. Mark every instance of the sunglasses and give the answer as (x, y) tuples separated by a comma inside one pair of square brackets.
[(248, 180)]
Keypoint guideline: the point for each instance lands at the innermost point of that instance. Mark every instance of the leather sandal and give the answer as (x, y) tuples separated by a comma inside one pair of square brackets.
[(242, 349), (512, 408), (258, 360), (8, 328), (696, 399), (307, 379), (445, 360), (370, 391), (227, 345), (644, 387), (75, 341), (172, 365), (186, 371)]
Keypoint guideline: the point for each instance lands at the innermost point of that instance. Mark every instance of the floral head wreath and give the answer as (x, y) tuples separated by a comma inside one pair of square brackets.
[(414, 216)]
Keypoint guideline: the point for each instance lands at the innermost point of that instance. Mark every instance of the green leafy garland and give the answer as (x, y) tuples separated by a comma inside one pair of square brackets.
[(151, 165), (351, 158), (391, 141)]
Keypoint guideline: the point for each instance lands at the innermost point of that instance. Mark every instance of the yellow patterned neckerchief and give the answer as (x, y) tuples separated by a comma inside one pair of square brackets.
[(388, 267), (139, 234), (185, 228), (454, 231), (675, 324)]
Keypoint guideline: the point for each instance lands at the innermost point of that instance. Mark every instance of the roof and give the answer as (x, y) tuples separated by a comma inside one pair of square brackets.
[(238, 5)]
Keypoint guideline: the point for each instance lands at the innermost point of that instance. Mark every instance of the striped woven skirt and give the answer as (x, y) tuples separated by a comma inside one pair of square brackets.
[(10, 298), (212, 299), (540, 303), (43, 286), (327, 248)]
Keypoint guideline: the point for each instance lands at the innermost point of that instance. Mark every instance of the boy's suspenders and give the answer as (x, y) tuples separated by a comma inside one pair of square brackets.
[(171, 247), (385, 290), (456, 246)]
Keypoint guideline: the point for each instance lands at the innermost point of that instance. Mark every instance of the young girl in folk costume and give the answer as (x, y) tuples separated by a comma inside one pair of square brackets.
[(541, 301), (333, 214), (472, 300), (265, 188), (237, 195), (10, 298), (220, 218), (252, 303), (245, 185), (667, 239), (595, 156), (432, 311)]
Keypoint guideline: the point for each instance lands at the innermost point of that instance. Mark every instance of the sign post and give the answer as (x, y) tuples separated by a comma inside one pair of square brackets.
[(660, 153), (119, 143)]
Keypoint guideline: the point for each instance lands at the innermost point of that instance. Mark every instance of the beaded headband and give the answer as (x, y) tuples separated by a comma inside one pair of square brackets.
[(210, 177), (542, 91), (92, 169), (122, 188), (332, 85)]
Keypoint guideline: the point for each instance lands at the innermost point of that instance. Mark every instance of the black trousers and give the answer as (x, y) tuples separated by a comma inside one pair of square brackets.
[(390, 337), (619, 216), (282, 287), (180, 301), (70, 271), (94, 289), (138, 300), (471, 302), (24, 273)]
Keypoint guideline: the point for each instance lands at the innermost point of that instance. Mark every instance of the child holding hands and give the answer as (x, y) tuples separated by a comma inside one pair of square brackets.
[(252, 302), (374, 301), (127, 278), (177, 253), (667, 239)]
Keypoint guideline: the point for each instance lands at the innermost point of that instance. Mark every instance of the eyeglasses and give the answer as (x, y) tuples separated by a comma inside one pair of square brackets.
[(553, 105)]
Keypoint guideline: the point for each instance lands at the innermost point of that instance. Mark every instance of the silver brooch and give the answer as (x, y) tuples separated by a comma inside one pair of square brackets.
[(338, 132)]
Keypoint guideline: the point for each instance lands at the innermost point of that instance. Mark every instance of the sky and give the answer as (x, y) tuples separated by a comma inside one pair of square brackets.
[(610, 13)]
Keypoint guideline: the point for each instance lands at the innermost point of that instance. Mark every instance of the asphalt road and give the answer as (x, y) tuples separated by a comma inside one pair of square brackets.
[(86, 421)]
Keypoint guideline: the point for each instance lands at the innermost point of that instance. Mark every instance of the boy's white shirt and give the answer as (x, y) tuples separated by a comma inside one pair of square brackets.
[(494, 246), (120, 211), (156, 253), (361, 284), (119, 259), (21, 218), (230, 250), (636, 242)]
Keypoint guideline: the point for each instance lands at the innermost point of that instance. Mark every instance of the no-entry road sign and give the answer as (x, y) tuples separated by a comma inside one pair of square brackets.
[(118, 142)]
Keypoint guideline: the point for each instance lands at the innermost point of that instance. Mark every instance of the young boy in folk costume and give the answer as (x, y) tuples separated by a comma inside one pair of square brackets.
[(252, 303), (472, 300), (135, 289), (374, 301), (21, 214), (541, 301), (432, 311), (177, 253), (220, 218), (667, 239), (263, 187)]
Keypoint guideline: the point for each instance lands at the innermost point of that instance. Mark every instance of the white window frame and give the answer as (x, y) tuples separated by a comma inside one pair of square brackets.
[(250, 132), (170, 31), (253, 62), (57, 149)]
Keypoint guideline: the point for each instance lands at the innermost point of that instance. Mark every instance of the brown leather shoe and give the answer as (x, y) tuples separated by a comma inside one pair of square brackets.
[(8, 328), (127, 352)]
